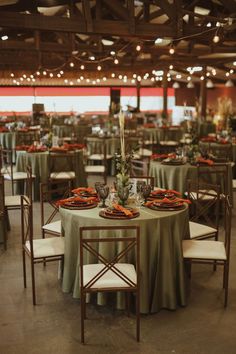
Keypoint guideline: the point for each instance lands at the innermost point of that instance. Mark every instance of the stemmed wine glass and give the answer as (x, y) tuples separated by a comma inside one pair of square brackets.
[(103, 192), (146, 190), (123, 194)]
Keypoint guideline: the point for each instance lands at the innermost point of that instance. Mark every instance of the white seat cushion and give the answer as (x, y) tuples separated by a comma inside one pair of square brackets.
[(62, 175), (54, 227), (204, 249), (15, 176), (109, 279), (99, 157), (200, 230), (234, 183), (94, 169), (199, 195), (13, 200), (47, 247), (169, 143)]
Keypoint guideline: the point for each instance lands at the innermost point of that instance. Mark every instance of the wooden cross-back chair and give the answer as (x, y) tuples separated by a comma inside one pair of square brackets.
[(204, 209), (50, 193), (219, 174), (40, 250), (221, 152), (97, 158), (27, 138), (61, 166), (108, 274), (7, 168), (212, 252)]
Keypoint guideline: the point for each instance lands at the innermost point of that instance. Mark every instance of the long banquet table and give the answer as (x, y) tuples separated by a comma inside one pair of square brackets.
[(39, 164), (162, 270)]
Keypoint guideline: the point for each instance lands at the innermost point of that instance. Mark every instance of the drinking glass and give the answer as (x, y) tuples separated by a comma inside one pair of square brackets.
[(103, 192), (146, 190), (123, 194)]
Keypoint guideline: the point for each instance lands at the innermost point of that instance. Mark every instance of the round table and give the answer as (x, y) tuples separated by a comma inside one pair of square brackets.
[(176, 176), (161, 263), (39, 164)]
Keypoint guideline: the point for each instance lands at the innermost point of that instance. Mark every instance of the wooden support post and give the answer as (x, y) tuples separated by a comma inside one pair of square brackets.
[(203, 96), (138, 96), (165, 95)]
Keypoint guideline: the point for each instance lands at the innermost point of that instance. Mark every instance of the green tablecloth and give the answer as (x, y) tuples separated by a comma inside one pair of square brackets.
[(155, 135), (39, 163), (175, 177), (162, 271), (206, 128)]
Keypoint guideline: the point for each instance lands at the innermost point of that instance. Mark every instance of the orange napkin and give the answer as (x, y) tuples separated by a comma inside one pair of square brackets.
[(208, 139), (160, 191), (122, 209), (168, 201), (206, 161), (75, 199), (159, 156), (83, 189), (59, 149)]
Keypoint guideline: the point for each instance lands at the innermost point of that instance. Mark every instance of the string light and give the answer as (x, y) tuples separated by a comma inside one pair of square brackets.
[(72, 64), (171, 50), (82, 67), (116, 61), (99, 68), (138, 47)]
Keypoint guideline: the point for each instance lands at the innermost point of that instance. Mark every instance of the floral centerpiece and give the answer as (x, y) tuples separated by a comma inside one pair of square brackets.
[(123, 163)]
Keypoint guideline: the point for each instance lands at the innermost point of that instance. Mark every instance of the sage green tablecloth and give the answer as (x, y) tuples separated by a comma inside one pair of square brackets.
[(162, 272), (175, 177), (8, 140), (39, 163)]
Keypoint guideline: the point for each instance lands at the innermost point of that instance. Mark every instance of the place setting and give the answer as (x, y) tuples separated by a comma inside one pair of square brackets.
[(79, 201)]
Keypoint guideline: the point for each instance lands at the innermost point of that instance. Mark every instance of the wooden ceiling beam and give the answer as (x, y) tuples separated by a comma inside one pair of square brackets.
[(63, 24), (116, 8), (87, 15), (167, 7)]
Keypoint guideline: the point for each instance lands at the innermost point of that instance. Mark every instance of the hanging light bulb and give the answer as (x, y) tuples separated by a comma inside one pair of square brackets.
[(190, 84), (99, 68), (138, 47), (229, 83), (72, 64), (116, 61), (171, 50), (176, 85), (82, 67), (216, 38)]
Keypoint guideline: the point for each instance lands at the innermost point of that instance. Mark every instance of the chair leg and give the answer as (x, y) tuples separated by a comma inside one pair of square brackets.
[(24, 268), (82, 304), (33, 282), (225, 283), (138, 315), (127, 300)]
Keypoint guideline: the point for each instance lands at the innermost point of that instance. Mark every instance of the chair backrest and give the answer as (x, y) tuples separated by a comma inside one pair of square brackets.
[(27, 223), (126, 245), (205, 203), (29, 184), (218, 173), (51, 193), (7, 162), (139, 168), (27, 138), (96, 145), (61, 162), (221, 152), (228, 220)]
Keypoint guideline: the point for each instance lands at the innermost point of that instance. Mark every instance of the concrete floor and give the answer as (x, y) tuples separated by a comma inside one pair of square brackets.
[(53, 326)]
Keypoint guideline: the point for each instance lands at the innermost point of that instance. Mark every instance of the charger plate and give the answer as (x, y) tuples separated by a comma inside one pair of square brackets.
[(110, 213), (78, 206), (173, 162), (166, 206)]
